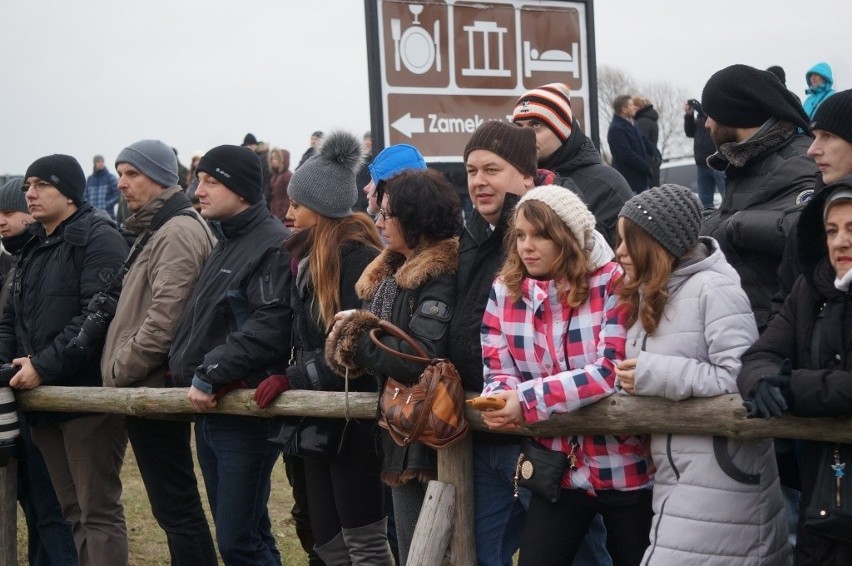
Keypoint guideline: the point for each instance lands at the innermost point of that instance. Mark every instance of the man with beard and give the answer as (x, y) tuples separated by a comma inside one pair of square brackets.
[(562, 147), (756, 122)]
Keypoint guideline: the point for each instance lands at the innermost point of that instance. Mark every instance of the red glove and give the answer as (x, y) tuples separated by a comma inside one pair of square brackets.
[(269, 389)]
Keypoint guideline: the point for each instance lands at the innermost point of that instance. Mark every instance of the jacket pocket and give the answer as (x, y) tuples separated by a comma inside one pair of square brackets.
[(723, 458)]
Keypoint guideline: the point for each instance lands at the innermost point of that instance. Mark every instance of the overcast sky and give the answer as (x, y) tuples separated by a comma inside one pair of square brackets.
[(93, 76)]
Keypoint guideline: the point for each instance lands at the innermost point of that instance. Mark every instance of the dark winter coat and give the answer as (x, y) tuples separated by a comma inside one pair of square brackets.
[(423, 308), (696, 128), (56, 279), (600, 187), (631, 152), (237, 323), (647, 119), (767, 176), (821, 382)]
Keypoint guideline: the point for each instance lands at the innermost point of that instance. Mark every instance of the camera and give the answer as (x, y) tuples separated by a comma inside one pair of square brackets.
[(94, 329), (7, 372), (695, 105)]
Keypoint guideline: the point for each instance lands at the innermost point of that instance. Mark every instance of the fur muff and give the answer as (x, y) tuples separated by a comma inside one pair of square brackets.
[(342, 343)]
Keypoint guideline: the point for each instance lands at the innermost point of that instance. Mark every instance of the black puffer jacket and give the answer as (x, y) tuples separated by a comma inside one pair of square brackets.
[(423, 308), (237, 323), (821, 382), (600, 187), (57, 277), (646, 118), (767, 176)]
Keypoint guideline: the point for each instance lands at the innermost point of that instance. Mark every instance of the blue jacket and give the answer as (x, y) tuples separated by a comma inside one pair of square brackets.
[(817, 94), (631, 153), (102, 191)]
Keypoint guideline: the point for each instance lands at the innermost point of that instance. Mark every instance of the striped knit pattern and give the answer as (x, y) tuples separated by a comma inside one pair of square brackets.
[(549, 104)]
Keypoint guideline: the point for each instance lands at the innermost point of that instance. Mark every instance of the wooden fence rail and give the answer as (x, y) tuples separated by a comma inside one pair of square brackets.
[(618, 414)]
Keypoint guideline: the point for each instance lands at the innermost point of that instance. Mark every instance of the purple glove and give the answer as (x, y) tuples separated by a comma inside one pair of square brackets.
[(269, 389)]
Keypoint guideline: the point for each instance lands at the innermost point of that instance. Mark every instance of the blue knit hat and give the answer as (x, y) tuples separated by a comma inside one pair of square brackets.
[(393, 160)]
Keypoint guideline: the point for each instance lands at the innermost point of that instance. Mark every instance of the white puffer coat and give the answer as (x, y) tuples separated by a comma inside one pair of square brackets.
[(717, 501)]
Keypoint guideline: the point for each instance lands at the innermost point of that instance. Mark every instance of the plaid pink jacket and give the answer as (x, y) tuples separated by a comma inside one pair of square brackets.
[(559, 359)]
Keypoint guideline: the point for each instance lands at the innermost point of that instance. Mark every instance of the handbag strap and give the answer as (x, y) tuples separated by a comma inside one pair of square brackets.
[(392, 329)]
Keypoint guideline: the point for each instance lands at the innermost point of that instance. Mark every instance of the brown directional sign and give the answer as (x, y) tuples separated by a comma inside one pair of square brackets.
[(440, 68)]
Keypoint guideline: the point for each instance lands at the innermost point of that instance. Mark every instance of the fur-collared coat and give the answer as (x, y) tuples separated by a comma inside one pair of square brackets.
[(423, 308)]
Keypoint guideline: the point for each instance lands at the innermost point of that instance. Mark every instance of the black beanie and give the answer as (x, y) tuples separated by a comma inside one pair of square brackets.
[(835, 115), (238, 168), (63, 172), (740, 96), (513, 143)]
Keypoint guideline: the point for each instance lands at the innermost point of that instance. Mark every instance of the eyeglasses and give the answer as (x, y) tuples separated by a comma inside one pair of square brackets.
[(385, 214), (38, 186)]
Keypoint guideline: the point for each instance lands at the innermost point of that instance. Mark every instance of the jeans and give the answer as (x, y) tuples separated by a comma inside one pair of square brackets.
[(792, 502), (709, 181), (50, 541), (236, 461), (84, 455), (499, 517), (164, 456)]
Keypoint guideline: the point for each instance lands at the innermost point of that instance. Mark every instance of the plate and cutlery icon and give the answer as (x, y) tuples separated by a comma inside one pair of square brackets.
[(415, 48)]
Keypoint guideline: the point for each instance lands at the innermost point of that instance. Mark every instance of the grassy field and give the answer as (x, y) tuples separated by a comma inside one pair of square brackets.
[(148, 543)]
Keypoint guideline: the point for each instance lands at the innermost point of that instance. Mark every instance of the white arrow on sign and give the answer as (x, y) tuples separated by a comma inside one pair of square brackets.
[(406, 125)]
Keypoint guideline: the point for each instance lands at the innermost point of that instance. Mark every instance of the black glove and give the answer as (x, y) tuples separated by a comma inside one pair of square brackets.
[(772, 396)]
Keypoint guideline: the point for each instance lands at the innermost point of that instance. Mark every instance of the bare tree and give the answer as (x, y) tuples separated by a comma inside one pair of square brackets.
[(668, 99)]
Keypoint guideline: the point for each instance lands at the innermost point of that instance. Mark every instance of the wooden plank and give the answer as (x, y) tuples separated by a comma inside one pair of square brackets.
[(455, 466), (434, 525)]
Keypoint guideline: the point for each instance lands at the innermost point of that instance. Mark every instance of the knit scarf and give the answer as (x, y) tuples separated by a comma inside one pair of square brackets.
[(383, 300)]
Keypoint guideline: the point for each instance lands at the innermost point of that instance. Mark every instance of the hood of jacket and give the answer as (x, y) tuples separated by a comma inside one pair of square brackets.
[(705, 256), (426, 262), (577, 151), (812, 248), (823, 70)]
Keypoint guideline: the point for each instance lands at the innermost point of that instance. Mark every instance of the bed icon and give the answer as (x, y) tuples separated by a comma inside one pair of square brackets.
[(551, 60)]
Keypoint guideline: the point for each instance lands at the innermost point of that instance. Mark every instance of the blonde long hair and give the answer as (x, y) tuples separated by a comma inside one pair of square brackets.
[(329, 236)]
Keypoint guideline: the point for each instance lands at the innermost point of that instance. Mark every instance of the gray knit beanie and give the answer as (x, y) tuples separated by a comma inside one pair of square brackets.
[(12, 197), (671, 214), (325, 183), (154, 159), (567, 207)]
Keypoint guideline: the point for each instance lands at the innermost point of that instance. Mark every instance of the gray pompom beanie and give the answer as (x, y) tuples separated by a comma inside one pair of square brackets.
[(325, 183), (152, 158), (671, 214), (12, 197)]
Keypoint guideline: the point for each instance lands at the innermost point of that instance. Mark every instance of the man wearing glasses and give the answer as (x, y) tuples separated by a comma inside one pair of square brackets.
[(73, 255)]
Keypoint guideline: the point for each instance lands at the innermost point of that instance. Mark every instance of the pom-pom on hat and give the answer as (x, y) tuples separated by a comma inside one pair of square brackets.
[(569, 208), (152, 158), (325, 183), (238, 168), (393, 160), (510, 141), (63, 172), (549, 104), (671, 214), (834, 115)]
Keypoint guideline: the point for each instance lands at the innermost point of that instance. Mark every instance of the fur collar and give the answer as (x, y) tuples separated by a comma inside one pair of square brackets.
[(439, 258), (771, 135)]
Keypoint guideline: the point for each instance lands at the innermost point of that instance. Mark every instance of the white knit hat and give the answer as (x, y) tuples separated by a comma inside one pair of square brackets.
[(569, 208)]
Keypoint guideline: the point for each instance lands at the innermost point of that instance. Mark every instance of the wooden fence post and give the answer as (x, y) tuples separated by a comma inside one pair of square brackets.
[(455, 466), (434, 525), (9, 514)]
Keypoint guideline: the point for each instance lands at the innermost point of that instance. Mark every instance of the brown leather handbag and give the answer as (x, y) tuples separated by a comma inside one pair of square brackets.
[(431, 411)]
